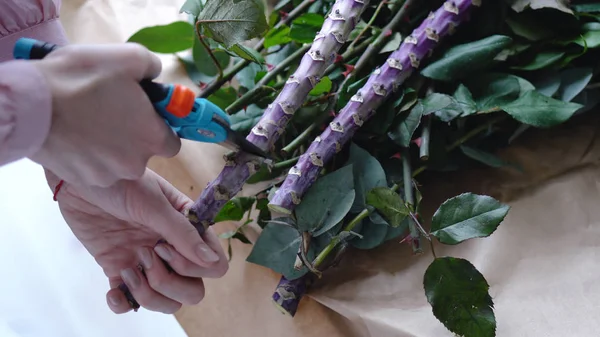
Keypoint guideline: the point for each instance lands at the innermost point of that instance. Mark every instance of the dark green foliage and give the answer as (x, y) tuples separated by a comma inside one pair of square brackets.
[(459, 297), (509, 69)]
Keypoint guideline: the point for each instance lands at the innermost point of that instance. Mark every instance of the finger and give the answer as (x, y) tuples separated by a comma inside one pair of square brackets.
[(117, 302), (178, 200), (175, 228), (145, 295), (170, 145), (131, 59), (185, 267), (184, 290), (183, 236)]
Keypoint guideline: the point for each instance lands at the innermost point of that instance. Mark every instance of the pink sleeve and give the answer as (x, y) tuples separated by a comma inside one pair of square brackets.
[(25, 101)]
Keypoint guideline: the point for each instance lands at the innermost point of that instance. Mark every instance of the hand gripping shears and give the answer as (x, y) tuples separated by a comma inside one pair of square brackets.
[(192, 118)]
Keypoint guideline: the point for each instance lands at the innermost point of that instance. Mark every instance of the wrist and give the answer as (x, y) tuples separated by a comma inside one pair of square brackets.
[(26, 100)]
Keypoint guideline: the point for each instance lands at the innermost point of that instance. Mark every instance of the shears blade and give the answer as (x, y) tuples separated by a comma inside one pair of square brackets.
[(237, 142)]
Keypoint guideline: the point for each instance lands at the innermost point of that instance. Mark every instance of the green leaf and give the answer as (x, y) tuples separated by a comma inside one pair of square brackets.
[(373, 234), (247, 75), (573, 81), (521, 5), (410, 98), (473, 56), (247, 53), (444, 106), (223, 97), (530, 27), (435, 102), (467, 216), (368, 174), (322, 87), (235, 209), (276, 248), (587, 8), (547, 83), (402, 132), (327, 201), (482, 156), (389, 204), (357, 29), (233, 21), (277, 36), (465, 100), (235, 235), (192, 7), (264, 214), (192, 70), (458, 295), (246, 120), (542, 60), (492, 90), (204, 63), (392, 44), (381, 121), (393, 232), (540, 111), (167, 39), (305, 27), (590, 35)]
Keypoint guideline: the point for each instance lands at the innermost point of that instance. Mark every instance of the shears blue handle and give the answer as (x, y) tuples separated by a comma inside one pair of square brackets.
[(191, 118)]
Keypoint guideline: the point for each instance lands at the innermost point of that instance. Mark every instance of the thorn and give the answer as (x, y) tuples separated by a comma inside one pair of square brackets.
[(338, 58), (332, 113), (397, 156), (270, 67), (388, 33), (245, 107), (349, 69), (406, 239), (283, 14), (202, 85), (418, 141), (407, 18)]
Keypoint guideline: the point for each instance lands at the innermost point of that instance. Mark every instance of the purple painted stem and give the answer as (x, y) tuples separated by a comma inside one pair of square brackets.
[(342, 19), (289, 293), (382, 82)]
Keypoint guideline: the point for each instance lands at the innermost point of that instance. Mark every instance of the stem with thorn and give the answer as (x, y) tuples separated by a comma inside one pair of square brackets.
[(239, 167), (369, 24), (383, 81), (376, 46), (425, 138), (379, 86), (410, 201), (465, 138), (207, 48), (262, 84), (228, 75)]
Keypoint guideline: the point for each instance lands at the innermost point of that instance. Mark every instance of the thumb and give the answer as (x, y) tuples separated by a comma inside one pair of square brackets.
[(174, 227), (184, 237)]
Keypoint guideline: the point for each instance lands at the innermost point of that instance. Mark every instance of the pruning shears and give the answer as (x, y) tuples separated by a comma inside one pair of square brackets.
[(192, 118)]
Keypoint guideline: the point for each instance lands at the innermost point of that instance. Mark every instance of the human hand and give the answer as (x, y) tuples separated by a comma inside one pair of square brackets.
[(120, 226), (104, 128)]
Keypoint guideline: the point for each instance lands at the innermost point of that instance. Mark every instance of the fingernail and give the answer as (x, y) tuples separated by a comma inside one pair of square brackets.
[(114, 300), (130, 277), (146, 257), (206, 254), (163, 252)]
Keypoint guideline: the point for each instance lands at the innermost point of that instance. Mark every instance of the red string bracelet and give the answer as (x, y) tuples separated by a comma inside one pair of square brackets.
[(57, 188)]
